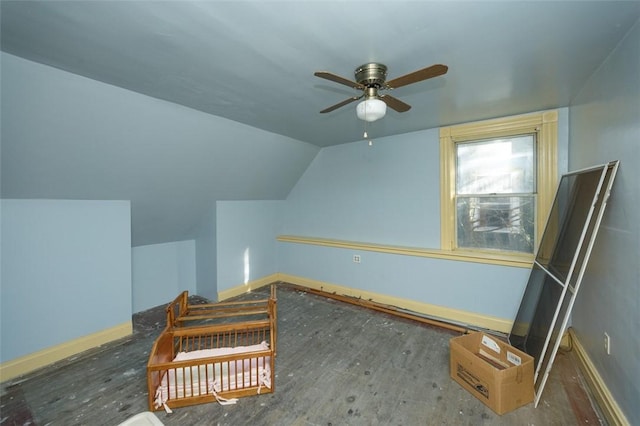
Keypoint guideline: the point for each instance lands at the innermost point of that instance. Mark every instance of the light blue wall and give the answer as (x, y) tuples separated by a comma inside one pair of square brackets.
[(206, 255), (66, 271), (563, 141), (389, 193), (162, 156), (483, 289), (605, 126), (386, 193), (246, 241), (161, 272)]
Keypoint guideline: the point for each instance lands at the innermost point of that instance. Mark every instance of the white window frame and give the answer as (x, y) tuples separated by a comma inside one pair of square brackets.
[(545, 127)]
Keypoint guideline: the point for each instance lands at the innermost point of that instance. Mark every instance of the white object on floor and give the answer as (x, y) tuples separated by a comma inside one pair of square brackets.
[(143, 419)]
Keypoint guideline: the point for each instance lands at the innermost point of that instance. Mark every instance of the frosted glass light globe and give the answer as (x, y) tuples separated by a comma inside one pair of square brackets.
[(371, 109)]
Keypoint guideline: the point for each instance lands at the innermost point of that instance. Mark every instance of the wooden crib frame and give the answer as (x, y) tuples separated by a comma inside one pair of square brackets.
[(227, 327)]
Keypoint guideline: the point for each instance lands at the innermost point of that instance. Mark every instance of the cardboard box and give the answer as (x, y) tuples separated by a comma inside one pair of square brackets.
[(495, 372)]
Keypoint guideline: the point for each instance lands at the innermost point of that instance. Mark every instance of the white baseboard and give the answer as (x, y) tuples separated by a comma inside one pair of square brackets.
[(44, 357), (603, 396)]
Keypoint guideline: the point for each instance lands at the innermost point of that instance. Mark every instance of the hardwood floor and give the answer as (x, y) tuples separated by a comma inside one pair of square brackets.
[(337, 364)]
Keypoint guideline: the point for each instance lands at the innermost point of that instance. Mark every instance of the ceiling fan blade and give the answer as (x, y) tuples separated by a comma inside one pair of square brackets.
[(395, 103), (416, 76), (336, 78), (341, 104)]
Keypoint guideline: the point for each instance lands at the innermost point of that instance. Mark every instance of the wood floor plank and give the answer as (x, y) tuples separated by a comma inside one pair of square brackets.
[(337, 364)]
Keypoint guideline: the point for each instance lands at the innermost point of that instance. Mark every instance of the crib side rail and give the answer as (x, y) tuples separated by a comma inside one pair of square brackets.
[(180, 312), (194, 381), (198, 313), (177, 308), (231, 303), (220, 327), (163, 348), (273, 320), (223, 335), (217, 311), (161, 366), (162, 352)]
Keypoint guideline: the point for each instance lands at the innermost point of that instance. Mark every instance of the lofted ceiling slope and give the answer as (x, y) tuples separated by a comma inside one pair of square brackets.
[(252, 63)]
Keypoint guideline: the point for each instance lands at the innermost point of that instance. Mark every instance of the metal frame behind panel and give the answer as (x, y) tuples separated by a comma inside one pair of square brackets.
[(564, 249)]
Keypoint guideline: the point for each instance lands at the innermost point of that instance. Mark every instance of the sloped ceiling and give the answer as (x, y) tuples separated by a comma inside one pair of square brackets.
[(252, 62)]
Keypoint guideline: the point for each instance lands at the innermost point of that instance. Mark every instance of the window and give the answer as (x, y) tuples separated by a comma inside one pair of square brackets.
[(495, 194), (498, 179)]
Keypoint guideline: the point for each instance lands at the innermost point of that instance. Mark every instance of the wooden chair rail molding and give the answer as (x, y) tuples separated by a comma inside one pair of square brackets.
[(514, 260)]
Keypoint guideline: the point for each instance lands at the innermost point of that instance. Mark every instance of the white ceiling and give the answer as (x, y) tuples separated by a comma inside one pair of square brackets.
[(253, 62)]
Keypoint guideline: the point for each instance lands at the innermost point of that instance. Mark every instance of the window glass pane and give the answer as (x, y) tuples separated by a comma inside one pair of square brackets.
[(497, 166), (496, 222)]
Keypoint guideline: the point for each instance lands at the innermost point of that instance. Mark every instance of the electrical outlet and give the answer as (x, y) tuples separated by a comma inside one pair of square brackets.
[(356, 258), (607, 344)]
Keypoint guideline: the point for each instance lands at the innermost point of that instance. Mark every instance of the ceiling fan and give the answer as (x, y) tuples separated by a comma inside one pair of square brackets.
[(371, 79)]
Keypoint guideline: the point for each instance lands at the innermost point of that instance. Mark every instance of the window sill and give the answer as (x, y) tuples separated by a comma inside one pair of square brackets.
[(491, 258)]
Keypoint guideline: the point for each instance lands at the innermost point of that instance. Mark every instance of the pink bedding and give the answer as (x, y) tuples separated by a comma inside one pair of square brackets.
[(215, 376)]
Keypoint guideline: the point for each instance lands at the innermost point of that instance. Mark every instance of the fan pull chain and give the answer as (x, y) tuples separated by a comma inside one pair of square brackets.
[(365, 135)]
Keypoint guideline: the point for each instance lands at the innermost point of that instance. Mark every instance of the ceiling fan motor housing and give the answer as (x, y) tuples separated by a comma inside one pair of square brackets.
[(371, 75)]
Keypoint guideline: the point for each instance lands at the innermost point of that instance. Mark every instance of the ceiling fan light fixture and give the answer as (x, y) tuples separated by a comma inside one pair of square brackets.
[(371, 109)]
